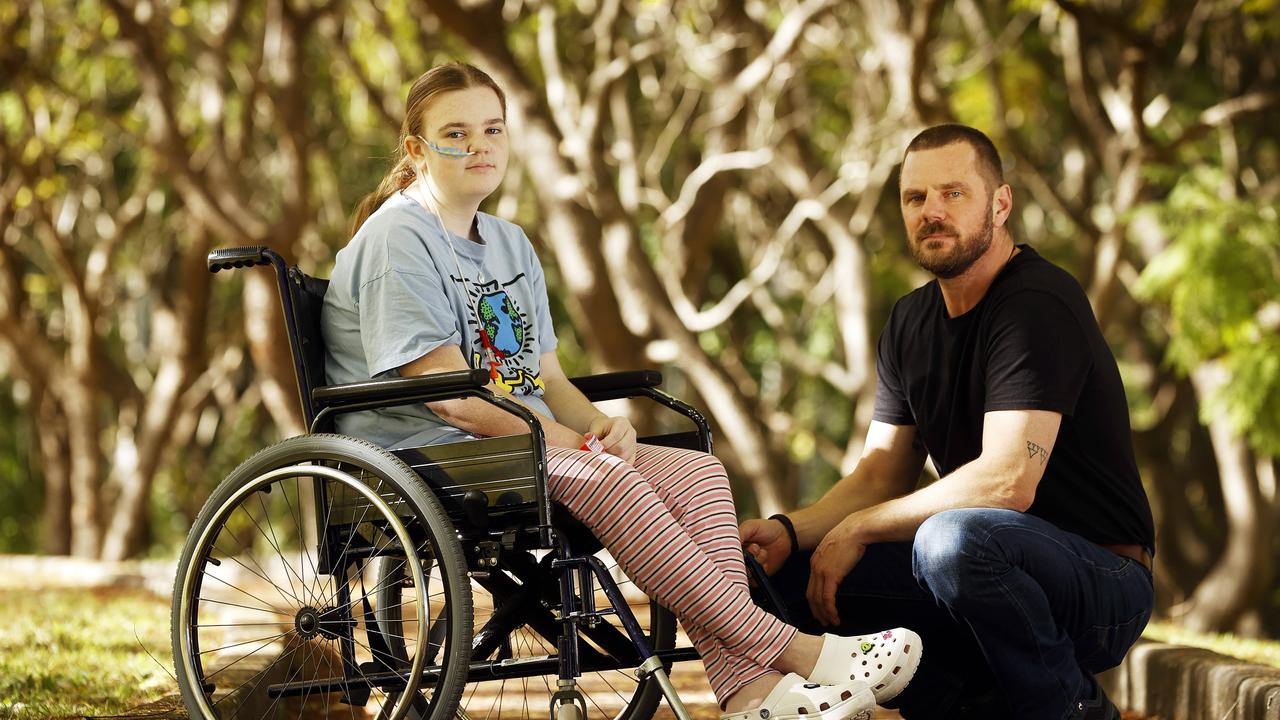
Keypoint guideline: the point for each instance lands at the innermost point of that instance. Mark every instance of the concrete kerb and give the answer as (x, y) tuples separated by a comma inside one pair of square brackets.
[(1173, 682)]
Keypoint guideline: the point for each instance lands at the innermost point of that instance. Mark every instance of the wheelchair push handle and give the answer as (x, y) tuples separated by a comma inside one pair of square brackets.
[(238, 257)]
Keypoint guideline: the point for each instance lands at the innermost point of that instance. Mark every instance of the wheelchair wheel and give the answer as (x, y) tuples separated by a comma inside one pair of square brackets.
[(276, 596), (515, 632)]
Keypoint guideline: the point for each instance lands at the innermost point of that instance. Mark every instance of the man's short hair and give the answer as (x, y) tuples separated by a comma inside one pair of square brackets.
[(949, 133)]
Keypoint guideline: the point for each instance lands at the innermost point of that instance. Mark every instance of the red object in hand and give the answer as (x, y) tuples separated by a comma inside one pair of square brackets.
[(591, 444)]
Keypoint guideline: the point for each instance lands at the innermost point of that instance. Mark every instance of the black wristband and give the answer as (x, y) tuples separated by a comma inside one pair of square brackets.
[(791, 530)]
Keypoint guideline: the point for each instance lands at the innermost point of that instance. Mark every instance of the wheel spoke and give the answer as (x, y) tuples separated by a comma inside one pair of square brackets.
[(234, 558), (273, 611), (328, 514), (374, 656), (606, 695), (275, 543), (526, 696), (247, 642), (292, 676), (245, 592), (214, 625), (354, 527), (302, 543), (328, 663), (592, 700), (312, 648), (255, 678), (605, 680), (390, 577), (283, 594), (239, 660)]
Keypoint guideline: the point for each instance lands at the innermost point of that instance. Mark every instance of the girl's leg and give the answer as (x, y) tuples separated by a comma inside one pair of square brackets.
[(626, 513), (695, 489)]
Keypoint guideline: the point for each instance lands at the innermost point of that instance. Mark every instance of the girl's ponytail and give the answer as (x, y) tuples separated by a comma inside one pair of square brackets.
[(400, 177)]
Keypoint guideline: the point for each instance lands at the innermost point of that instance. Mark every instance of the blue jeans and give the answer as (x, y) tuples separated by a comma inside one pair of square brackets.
[(1044, 608)]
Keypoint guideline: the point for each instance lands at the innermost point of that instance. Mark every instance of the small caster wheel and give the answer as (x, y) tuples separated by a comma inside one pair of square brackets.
[(568, 704)]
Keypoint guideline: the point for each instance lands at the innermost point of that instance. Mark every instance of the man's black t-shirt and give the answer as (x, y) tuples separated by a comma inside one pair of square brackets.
[(1031, 343)]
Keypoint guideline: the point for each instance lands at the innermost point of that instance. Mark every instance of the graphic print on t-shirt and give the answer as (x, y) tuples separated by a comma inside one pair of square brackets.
[(502, 323), (511, 332)]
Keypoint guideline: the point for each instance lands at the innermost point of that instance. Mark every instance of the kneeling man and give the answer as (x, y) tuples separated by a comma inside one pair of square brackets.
[(1026, 568)]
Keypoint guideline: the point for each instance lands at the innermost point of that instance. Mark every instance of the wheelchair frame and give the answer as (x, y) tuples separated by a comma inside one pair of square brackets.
[(487, 524)]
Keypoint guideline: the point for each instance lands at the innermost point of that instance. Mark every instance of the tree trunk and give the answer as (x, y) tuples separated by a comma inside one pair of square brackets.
[(86, 463), (1184, 555), (127, 530), (52, 448), (181, 345), (1243, 575)]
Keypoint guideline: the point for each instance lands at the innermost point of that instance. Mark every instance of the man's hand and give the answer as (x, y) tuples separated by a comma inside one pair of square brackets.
[(616, 434), (767, 542), (834, 557)]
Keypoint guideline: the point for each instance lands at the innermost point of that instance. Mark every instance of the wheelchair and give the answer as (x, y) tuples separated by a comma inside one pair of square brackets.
[(329, 576)]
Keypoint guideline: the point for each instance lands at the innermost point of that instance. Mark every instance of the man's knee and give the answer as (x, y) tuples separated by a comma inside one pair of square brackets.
[(952, 551)]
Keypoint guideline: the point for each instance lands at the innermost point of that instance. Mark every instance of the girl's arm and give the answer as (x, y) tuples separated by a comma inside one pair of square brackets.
[(477, 416)]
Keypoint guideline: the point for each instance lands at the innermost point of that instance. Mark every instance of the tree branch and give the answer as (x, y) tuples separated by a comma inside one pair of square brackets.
[(705, 172), (219, 210), (780, 46), (1225, 112), (1114, 24)]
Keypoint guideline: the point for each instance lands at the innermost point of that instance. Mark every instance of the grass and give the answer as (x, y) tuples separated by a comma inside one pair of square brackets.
[(1263, 652), (77, 653)]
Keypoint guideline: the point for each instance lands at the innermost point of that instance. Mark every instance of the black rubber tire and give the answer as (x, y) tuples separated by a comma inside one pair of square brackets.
[(397, 484)]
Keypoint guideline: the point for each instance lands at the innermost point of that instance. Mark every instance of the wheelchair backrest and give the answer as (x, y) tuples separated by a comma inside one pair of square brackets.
[(306, 294)]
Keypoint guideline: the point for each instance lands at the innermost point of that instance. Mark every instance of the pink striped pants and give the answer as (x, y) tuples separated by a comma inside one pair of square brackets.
[(669, 521)]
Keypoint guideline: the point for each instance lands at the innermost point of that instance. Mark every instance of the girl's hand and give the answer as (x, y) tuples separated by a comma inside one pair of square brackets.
[(617, 436)]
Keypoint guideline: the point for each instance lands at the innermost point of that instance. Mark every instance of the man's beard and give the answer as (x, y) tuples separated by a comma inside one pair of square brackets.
[(964, 251)]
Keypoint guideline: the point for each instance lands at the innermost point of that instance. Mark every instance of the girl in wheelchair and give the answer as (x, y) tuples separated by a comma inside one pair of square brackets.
[(428, 284)]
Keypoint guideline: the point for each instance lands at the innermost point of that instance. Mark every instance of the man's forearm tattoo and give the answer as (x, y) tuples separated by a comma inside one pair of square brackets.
[(1033, 450)]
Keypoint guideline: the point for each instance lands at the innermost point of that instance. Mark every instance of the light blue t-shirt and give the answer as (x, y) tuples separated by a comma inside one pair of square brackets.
[(397, 293)]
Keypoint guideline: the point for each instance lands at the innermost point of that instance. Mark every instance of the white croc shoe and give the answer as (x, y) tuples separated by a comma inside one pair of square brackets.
[(885, 660), (795, 698)]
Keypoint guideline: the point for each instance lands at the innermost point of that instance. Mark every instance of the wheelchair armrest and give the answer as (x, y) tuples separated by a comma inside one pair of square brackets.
[(399, 391), (644, 383), (611, 386)]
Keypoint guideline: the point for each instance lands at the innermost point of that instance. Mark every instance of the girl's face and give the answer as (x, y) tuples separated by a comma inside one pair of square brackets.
[(469, 120)]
